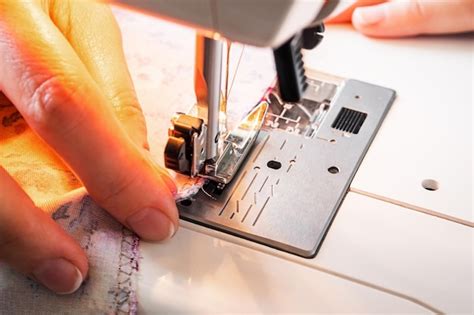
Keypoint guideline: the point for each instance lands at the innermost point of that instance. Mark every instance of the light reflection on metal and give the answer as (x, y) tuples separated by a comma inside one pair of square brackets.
[(236, 146)]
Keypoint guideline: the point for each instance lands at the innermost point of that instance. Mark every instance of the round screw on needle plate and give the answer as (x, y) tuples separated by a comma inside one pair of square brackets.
[(430, 184)]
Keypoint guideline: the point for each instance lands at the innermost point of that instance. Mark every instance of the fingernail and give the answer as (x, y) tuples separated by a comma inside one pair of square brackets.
[(368, 15), (58, 275), (151, 224)]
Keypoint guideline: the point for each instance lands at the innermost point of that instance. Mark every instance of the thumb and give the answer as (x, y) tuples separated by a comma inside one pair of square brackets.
[(410, 18)]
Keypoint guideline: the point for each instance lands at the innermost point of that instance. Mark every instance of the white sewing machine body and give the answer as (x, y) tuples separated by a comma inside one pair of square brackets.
[(267, 24), (393, 246)]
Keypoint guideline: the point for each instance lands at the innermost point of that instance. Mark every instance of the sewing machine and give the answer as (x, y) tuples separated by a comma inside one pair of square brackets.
[(402, 238), (279, 177)]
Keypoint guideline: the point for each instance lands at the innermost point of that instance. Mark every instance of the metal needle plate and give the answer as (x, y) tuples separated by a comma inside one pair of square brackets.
[(288, 190)]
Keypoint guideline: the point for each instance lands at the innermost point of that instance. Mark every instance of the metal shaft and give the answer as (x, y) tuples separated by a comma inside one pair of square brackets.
[(212, 74)]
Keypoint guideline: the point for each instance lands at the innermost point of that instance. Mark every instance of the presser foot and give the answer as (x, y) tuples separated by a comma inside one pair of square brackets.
[(186, 150)]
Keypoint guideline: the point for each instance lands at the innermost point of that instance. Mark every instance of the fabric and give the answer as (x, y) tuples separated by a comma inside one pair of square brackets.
[(113, 257)]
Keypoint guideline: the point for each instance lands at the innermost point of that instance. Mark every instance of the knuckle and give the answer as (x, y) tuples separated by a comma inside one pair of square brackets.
[(111, 192), (131, 110), (128, 111), (125, 102), (51, 101), (45, 101), (419, 10)]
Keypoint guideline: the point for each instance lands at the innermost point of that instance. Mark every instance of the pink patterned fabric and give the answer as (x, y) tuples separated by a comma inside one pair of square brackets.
[(113, 256)]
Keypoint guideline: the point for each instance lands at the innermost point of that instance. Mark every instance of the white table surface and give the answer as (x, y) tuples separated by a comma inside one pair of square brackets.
[(393, 246)]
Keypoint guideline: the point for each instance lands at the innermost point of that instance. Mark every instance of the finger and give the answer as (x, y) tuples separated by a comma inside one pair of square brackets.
[(92, 31), (56, 95), (102, 54), (346, 14), (409, 18), (32, 243)]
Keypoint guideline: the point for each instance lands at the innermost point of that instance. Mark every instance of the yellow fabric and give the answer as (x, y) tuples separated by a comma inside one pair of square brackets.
[(38, 170)]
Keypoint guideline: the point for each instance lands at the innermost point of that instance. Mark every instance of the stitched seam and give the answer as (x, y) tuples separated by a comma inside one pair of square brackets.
[(125, 299)]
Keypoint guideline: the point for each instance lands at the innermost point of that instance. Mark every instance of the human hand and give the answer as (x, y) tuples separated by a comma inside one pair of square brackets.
[(63, 67), (399, 18)]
